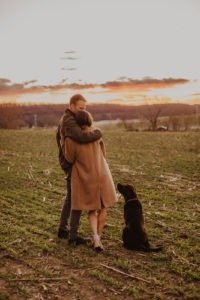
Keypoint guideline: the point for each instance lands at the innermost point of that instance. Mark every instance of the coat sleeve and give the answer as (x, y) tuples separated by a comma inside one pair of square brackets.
[(103, 149), (72, 130), (70, 150)]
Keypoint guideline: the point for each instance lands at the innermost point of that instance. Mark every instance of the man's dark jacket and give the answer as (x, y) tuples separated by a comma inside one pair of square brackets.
[(68, 127)]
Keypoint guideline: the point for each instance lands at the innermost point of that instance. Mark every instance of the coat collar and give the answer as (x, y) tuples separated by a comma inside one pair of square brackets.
[(69, 112)]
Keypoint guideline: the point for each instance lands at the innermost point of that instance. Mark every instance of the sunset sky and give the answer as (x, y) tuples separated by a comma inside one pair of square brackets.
[(116, 51)]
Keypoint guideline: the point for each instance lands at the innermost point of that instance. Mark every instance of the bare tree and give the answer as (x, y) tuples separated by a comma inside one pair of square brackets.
[(10, 116), (175, 123), (187, 122), (152, 113)]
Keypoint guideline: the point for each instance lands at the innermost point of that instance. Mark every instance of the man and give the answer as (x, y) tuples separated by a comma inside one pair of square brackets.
[(68, 127)]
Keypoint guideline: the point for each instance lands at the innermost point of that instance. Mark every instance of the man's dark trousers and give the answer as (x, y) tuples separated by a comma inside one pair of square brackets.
[(66, 213)]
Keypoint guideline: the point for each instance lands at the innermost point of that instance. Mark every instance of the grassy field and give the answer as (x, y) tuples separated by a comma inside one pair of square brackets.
[(35, 264)]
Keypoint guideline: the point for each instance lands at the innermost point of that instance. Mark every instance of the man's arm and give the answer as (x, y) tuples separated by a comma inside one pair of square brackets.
[(71, 129), (70, 150), (58, 135), (65, 165)]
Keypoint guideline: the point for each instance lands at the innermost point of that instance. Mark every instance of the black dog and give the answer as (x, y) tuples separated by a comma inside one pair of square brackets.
[(134, 235)]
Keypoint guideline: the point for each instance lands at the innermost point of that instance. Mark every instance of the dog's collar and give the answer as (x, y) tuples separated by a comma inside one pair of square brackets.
[(133, 199)]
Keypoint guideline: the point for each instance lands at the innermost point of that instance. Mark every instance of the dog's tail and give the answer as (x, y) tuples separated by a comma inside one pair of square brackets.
[(152, 249), (156, 249)]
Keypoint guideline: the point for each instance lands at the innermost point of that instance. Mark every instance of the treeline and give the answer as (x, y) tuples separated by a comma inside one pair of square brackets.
[(14, 116)]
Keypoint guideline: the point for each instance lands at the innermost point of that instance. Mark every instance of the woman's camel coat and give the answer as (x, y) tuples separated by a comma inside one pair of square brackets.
[(91, 180)]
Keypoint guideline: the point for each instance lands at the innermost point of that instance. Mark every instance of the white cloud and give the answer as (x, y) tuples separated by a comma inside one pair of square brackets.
[(133, 38)]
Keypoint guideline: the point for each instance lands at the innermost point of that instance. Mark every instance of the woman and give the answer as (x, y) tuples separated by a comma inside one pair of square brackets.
[(91, 180)]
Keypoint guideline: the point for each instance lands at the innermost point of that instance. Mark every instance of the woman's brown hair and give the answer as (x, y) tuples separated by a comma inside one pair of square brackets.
[(84, 118)]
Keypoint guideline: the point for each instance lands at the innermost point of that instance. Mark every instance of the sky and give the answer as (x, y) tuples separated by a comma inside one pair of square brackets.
[(115, 51)]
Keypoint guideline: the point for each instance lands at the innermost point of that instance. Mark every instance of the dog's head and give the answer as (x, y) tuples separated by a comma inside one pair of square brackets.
[(127, 190)]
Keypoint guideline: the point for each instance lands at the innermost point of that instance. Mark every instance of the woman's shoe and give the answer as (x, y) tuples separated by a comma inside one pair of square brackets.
[(97, 243)]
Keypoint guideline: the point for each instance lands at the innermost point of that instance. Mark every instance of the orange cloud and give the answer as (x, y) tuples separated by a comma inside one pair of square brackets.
[(142, 85), (7, 88)]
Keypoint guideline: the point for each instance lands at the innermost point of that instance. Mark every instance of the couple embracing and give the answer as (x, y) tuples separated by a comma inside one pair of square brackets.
[(90, 186)]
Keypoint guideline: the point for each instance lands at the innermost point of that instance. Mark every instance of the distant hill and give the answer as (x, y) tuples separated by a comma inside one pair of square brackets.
[(49, 115), (109, 111)]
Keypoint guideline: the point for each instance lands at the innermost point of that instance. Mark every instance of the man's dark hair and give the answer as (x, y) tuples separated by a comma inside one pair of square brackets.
[(75, 98)]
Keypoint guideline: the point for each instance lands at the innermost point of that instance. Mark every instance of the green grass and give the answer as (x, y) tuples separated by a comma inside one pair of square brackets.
[(35, 264)]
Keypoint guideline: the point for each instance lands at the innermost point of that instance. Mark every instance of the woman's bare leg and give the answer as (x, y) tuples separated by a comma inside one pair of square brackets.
[(93, 221), (101, 220)]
